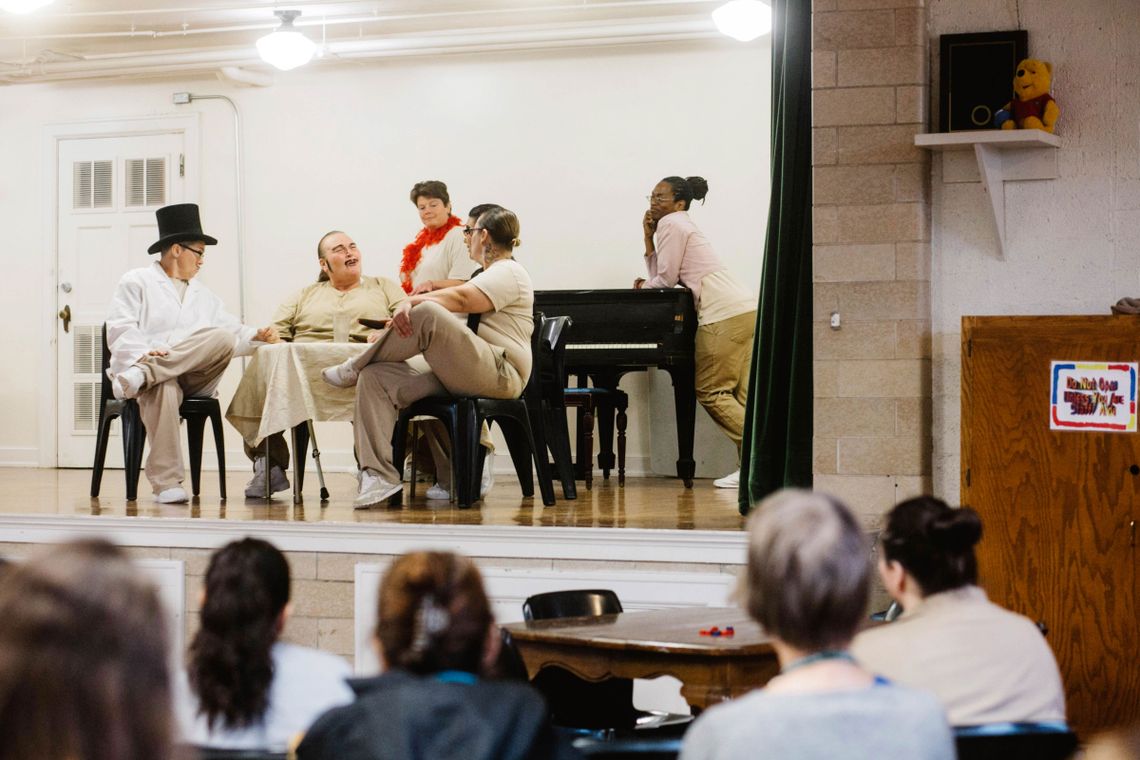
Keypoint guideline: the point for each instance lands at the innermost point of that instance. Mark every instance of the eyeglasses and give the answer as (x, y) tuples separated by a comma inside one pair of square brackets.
[(659, 199), (468, 230), (200, 254)]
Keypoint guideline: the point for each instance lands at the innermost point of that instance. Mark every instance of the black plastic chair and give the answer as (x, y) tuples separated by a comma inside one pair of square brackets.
[(194, 410), (1015, 741), (605, 706), (463, 416), (629, 749), (215, 753), (549, 406)]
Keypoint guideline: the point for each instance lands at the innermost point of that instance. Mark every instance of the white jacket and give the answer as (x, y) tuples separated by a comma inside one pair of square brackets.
[(146, 315)]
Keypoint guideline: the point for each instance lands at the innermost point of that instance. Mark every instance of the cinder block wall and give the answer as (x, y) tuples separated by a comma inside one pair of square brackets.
[(871, 220)]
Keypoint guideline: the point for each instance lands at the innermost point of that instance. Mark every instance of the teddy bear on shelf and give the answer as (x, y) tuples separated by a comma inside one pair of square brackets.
[(1032, 106)]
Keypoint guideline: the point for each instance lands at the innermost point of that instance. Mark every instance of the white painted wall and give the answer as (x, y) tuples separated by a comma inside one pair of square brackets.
[(1073, 243), (571, 140)]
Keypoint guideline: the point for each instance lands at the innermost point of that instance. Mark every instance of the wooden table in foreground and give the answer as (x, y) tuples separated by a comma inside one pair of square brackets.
[(655, 643)]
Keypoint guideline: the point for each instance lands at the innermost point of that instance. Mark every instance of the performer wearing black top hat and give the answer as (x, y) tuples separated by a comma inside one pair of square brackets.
[(171, 337)]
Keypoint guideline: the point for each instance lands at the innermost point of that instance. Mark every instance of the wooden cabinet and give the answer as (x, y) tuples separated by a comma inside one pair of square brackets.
[(1058, 507)]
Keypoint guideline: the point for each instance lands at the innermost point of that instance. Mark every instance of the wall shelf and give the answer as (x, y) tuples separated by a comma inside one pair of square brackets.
[(1003, 155)]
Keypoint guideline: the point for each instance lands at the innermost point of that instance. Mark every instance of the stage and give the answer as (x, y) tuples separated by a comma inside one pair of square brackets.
[(655, 542)]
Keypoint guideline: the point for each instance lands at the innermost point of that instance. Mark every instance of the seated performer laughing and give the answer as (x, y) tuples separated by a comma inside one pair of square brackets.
[(493, 364), (334, 303)]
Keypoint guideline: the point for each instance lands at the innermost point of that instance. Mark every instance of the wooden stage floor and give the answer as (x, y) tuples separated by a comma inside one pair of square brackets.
[(644, 503)]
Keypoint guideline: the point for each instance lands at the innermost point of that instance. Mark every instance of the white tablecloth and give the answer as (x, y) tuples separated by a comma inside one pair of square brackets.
[(282, 387)]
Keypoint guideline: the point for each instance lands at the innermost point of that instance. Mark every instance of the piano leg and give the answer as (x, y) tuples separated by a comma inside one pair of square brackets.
[(685, 400), (604, 414)]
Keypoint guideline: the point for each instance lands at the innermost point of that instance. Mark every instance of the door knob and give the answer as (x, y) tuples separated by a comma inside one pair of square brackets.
[(65, 315), (65, 287)]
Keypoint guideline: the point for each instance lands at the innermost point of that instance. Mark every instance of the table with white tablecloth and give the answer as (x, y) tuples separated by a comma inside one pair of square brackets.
[(282, 387)]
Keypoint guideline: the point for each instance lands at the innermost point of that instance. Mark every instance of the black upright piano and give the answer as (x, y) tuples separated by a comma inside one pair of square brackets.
[(627, 330)]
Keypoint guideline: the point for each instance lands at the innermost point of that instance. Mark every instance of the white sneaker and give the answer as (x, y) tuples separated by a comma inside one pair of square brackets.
[(255, 488), (732, 480), (422, 476), (342, 375), (128, 383), (172, 495), (438, 493), (373, 490), (488, 474)]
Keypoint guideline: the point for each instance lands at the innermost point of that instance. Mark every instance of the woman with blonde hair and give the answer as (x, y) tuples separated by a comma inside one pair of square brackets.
[(438, 641), (807, 584), (493, 363)]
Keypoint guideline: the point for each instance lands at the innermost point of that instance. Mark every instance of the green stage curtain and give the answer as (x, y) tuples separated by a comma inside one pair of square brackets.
[(777, 445)]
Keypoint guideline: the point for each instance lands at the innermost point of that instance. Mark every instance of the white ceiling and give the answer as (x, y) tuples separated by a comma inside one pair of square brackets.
[(75, 39)]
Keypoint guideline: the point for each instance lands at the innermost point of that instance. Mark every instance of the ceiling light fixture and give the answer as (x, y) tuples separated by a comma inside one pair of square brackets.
[(23, 6), (743, 20), (286, 48)]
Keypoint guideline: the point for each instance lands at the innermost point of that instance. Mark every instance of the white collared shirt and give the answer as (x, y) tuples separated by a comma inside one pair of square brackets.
[(147, 314)]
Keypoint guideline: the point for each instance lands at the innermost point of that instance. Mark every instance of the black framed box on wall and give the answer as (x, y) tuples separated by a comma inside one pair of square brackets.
[(977, 76)]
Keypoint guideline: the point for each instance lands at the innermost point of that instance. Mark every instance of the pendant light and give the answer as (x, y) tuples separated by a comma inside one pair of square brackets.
[(286, 48), (743, 20)]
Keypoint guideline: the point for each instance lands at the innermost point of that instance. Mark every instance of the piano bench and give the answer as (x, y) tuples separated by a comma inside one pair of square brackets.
[(587, 400)]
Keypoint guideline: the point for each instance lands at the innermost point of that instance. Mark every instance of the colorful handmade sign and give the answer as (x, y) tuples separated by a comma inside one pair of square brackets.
[(1093, 396)]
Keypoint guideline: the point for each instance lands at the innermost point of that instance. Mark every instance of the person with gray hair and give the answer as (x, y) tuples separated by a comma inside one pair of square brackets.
[(807, 584)]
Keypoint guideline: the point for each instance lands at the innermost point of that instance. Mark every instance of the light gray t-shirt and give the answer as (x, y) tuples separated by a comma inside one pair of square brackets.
[(883, 721), (306, 683)]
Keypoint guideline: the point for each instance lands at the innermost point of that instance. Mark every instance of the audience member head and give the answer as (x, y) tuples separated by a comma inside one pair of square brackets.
[(807, 580), (434, 615), (434, 204), (495, 235), (933, 543), (83, 659), (243, 611)]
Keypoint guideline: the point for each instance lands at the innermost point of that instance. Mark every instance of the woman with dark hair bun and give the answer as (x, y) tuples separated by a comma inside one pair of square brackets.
[(247, 690), (986, 664), (676, 252), (438, 641)]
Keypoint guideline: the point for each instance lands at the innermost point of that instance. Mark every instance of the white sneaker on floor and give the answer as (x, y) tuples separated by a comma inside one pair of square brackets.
[(342, 375), (373, 490), (172, 495), (488, 474), (438, 493), (128, 383), (732, 480), (255, 488)]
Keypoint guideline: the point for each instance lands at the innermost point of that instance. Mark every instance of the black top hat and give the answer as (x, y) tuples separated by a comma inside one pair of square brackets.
[(177, 224)]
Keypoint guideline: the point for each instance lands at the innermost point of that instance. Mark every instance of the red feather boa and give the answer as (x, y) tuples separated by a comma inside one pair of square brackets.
[(414, 251)]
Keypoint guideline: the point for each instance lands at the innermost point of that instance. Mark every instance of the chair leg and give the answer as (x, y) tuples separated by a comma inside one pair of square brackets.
[(415, 470), (536, 438), (604, 417), (559, 443), (134, 439), (220, 445), (586, 455), (100, 451), (195, 428), (622, 422), (465, 454), (300, 451), (399, 446)]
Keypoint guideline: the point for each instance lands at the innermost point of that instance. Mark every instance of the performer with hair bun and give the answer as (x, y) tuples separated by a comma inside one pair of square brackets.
[(677, 252), (986, 664)]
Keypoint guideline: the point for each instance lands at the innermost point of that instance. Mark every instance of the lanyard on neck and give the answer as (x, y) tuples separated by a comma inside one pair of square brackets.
[(811, 659)]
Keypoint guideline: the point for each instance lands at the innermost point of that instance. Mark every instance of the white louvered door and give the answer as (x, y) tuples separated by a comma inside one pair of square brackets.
[(109, 189)]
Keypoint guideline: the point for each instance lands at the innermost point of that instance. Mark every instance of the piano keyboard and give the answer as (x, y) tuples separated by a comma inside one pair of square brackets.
[(610, 346)]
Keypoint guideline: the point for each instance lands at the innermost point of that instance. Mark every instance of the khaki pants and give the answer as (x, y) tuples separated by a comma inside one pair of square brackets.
[(459, 363), (192, 368), (724, 359)]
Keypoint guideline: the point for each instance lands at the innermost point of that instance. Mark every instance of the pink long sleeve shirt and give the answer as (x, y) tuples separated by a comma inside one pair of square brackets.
[(682, 254)]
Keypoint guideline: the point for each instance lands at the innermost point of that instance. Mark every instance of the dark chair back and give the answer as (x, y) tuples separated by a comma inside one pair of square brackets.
[(214, 753), (572, 603), (630, 749), (1015, 741)]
